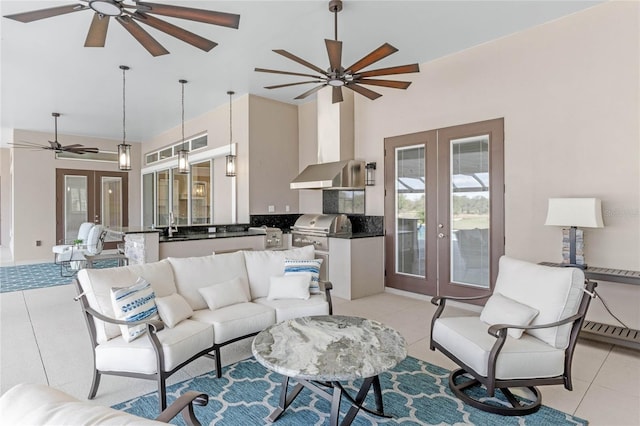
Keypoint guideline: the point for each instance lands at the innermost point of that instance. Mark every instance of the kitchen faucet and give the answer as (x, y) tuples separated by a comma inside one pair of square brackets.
[(172, 227)]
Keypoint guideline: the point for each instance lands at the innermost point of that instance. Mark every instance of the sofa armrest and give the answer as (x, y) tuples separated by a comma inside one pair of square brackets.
[(326, 286), (184, 405)]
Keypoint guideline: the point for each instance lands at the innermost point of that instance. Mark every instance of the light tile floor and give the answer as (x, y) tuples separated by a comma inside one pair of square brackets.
[(43, 339)]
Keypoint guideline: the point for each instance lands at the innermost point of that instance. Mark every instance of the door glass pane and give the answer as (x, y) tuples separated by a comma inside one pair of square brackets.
[(111, 190), (147, 200), (470, 211), (162, 207), (201, 193), (75, 205), (180, 198), (410, 210)]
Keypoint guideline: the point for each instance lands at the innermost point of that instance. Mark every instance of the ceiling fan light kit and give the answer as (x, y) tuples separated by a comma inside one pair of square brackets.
[(337, 76), (128, 15)]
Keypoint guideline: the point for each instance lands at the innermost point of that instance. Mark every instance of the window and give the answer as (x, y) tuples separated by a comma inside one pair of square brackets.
[(193, 144)]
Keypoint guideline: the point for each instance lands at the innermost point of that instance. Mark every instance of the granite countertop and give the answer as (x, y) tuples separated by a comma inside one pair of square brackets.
[(133, 230), (355, 235), (206, 236), (329, 348)]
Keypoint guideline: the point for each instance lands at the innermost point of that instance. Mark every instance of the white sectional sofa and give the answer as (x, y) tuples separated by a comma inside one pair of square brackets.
[(204, 303)]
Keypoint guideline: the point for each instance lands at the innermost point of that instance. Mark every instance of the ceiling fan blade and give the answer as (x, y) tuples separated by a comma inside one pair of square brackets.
[(97, 34), (385, 83), (299, 60), (378, 54), (286, 72), (175, 31), (310, 92), (293, 84), (402, 69), (334, 49), (82, 150), (73, 146), (230, 20), (363, 91), (336, 95), (36, 15), (148, 42)]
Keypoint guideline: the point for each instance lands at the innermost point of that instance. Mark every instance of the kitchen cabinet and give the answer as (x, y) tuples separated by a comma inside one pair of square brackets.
[(356, 266), (204, 247)]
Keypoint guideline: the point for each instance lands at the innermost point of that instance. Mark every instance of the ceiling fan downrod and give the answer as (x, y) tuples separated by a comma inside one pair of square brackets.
[(335, 6)]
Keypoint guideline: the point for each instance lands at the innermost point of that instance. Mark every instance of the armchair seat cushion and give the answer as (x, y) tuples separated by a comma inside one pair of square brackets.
[(467, 339), (178, 344), (236, 320), (294, 308)]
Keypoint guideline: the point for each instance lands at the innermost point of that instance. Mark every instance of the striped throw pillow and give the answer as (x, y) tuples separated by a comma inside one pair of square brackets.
[(134, 303), (298, 266)]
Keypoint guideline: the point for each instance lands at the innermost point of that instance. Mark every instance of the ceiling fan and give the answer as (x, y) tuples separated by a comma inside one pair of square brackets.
[(54, 145), (350, 77), (128, 15)]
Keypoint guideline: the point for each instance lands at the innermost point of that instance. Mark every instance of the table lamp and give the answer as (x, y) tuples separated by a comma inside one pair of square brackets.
[(574, 213)]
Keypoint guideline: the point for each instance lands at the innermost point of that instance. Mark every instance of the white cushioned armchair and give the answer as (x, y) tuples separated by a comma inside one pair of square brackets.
[(524, 337)]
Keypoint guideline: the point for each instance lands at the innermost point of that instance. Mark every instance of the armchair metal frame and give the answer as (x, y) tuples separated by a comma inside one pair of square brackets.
[(499, 331)]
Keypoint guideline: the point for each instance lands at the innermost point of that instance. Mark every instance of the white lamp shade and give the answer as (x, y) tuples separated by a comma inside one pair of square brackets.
[(578, 212)]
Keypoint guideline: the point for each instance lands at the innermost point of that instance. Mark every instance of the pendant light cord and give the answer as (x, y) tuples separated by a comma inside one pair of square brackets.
[(230, 122), (124, 110), (182, 82)]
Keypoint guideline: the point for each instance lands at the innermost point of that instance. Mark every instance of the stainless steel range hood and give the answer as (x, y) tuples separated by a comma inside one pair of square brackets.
[(336, 168), (347, 174)]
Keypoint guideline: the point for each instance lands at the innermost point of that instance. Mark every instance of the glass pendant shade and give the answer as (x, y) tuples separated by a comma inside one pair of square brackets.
[(231, 165), (183, 161), (124, 156)]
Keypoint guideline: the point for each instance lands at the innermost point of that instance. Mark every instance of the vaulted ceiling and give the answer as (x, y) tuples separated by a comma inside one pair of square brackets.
[(45, 67)]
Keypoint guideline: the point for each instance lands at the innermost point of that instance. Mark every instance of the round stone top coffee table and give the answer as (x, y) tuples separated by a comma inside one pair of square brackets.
[(330, 349)]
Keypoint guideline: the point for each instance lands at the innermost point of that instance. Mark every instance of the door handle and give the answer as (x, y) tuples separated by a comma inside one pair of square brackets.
[(441, 235)]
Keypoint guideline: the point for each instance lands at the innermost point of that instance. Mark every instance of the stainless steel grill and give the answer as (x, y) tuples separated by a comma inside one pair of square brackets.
[(315, 229), (272, 237)]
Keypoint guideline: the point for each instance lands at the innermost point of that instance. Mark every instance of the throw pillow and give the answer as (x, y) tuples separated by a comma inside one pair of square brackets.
[(224, 294), (296, 266), (503, 310), (134, 303), (173, 309), (290, 287)]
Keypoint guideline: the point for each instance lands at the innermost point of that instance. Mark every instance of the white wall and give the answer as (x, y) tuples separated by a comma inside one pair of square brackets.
[(5, 197), (569, 94), (34, 181)]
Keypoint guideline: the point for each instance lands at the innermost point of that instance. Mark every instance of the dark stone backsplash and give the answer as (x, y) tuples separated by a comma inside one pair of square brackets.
[(282, 221), (367, 224)]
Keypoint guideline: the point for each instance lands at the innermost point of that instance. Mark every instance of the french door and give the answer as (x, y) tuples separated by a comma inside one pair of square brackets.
[(90, 196), (444, 209)]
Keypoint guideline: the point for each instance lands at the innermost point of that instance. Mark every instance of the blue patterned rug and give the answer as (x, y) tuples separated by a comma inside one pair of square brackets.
[(39, 275), (414, 393)]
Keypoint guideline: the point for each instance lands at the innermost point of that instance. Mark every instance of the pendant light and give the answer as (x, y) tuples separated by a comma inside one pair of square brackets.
[(183, 154), (231, 158), (124, 149)]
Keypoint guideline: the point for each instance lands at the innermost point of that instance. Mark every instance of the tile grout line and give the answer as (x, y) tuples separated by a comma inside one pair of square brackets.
[(35, 337), (593, 380)]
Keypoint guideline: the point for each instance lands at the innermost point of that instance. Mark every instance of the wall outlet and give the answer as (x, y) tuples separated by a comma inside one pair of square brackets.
[(212, 229), (38, 243), (287, 208), (272, 209)]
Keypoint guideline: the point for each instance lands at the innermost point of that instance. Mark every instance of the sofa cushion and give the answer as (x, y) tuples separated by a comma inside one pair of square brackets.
[(35, 404), (289, 287), (97, 283), (554, 292), (173, 309), (134, 303), (296, 308), (502, 310), (178, 345), (263, 264), (192, 273), (312, 267), (225, 294), (236, 320), (467, 339)]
